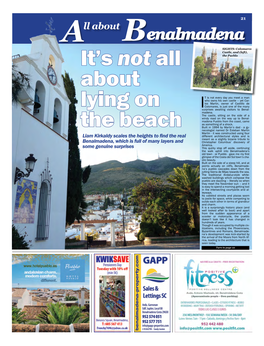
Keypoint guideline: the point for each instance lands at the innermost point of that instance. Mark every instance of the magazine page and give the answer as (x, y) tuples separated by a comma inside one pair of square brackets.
[(132, 173), (139, 93)]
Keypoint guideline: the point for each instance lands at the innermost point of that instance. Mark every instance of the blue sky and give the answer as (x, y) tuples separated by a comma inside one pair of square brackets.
[(170, 83), (22, 263)]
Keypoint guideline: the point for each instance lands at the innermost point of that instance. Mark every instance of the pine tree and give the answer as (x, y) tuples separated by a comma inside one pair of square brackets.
[(76, 204)]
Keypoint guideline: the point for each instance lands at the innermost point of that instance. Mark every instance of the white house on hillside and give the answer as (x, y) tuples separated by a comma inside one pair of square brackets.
[(115, 214), (21, 297), (40, 127)]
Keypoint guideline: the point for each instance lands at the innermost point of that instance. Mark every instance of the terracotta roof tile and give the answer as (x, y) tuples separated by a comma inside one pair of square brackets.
[(18, 292), (32, 311)]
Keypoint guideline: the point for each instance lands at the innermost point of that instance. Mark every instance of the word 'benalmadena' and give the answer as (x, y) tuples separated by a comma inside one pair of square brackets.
[(178, 35)]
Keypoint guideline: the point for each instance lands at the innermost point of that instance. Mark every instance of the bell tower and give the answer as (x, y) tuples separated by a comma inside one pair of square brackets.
[(40, 126), (51, 103)]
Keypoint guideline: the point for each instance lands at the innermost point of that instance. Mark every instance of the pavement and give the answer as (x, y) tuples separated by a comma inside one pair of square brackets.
[(161, 246)]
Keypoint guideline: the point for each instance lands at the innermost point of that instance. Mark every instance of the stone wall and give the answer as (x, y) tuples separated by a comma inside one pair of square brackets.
[(77, 327)]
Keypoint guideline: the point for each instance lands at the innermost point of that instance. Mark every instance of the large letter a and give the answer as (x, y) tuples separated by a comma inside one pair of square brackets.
[(76, 32)]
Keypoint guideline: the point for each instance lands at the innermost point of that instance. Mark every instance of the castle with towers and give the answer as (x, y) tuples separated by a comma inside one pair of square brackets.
[(210, 62)]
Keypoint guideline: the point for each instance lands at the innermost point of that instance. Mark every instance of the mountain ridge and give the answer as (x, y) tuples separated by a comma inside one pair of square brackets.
[(113, 176)]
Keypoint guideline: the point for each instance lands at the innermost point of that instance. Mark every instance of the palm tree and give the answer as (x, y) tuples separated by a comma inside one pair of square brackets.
[(61, 314), (186, 186), (18, 316)]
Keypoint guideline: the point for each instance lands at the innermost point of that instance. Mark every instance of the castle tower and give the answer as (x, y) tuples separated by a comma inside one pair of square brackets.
[(227, 65), (214, 61), (204, 54), (222, 69)]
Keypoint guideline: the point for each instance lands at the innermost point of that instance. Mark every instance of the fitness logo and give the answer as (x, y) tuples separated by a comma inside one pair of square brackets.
[(202, 278)]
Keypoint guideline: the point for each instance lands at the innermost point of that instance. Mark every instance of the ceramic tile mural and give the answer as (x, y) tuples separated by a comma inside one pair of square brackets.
[(25, 201)]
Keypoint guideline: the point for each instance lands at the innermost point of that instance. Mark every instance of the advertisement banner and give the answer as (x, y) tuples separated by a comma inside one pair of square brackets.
[(152, 292), (212, 293), (50, 292), (112, 293)]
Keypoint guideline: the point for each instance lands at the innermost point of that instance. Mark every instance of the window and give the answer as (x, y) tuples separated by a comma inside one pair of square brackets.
[(39, 101), (57, 112), (44, 205), (51, 61)]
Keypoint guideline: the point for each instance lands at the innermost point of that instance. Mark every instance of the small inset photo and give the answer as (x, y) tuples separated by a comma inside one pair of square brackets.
[(223, 67), (112, 296)]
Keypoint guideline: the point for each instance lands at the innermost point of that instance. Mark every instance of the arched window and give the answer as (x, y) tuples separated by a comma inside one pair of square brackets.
[(57, 112), (39, 101), (44, 205), (52, 61)]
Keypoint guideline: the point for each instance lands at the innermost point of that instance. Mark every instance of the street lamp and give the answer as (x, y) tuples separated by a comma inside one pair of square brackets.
[(122, 202), (30, 164)]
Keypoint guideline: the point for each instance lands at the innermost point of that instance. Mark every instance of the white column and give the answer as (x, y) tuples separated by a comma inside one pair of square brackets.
[(113, 234), (82, 296), (82, 231)]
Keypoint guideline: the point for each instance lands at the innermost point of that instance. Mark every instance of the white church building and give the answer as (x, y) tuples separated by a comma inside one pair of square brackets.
[(40, 136)]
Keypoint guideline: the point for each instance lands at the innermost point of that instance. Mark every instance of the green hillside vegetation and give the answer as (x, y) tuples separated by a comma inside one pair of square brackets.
[(169, 208), (114, 176)]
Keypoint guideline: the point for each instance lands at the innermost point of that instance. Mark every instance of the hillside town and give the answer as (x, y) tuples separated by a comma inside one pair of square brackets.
[(33, 301), (105, 208)]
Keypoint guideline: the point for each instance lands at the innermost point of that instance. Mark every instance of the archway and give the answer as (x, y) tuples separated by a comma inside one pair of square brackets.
[(83, 222)]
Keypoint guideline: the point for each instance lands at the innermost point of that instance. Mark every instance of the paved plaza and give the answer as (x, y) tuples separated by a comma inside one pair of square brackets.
[(161, 246)]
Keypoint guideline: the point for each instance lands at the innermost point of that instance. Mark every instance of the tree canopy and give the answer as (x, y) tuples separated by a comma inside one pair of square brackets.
[(186, 187), (58, 313), (199, 70), (164, 210)]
